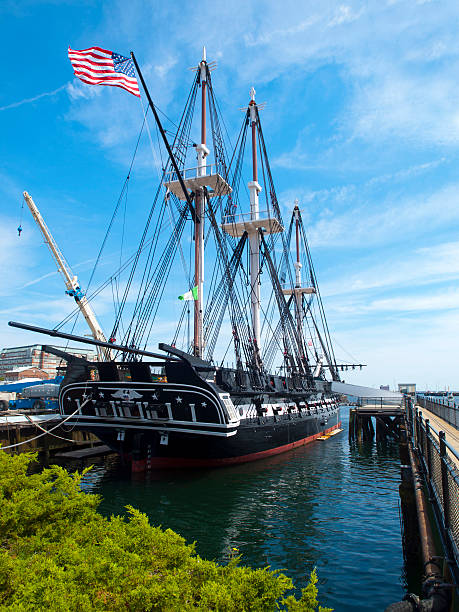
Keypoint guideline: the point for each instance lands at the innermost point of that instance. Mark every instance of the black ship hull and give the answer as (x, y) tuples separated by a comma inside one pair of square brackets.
[(252, 442), (167, 424)]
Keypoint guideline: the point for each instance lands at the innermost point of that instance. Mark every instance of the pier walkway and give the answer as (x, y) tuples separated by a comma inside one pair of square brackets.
[(432, 410), (451, 433)]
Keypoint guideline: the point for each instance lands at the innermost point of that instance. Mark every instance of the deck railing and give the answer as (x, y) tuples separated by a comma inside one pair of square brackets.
[(194, 172), (442, 408), (377, 402), (247, 217), (439, 461)]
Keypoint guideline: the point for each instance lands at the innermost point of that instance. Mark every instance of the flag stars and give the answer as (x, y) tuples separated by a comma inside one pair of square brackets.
[(178, 399)]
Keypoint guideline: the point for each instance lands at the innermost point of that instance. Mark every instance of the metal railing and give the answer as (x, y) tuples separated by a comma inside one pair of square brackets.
[(438, 459), (195, 172), (375, 402), (446, 410), (247, 217)]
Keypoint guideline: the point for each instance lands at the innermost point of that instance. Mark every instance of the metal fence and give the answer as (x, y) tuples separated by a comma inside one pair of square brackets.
[(446, 410), (380, 402), (438, 459)]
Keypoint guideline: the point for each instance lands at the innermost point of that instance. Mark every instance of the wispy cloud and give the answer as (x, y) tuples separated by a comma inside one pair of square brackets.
[(344, 14), (447, 299), (77, 90), (391, 221), (46, 94), (417, 268)]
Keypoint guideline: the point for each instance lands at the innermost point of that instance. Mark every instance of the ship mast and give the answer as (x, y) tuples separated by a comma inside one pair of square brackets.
[(254, 237), (200, 183), (298, 266), (298, 291), (253, 224), (200, 198)]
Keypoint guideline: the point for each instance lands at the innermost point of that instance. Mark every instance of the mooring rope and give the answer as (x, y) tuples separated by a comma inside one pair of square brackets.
[(45, 431)]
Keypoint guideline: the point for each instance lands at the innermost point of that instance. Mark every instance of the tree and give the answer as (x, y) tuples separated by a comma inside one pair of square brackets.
[(59, 553)]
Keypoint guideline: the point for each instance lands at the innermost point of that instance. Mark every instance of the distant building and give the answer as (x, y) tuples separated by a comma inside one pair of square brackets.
[(25, 372), (384, 387), (409, 388), (32, 356)]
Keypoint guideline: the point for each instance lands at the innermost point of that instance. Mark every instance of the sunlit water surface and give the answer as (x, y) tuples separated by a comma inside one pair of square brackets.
[(331, 505)]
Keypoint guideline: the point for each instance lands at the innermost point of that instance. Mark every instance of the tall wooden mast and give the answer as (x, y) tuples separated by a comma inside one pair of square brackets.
[(203, 182), (298, 266), (253, 223), (254, 237), (298, 291), (200, 197)]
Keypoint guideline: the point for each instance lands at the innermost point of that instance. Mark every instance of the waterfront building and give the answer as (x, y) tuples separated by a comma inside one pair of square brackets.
[(409, 388), (26, 372), (33, 356)]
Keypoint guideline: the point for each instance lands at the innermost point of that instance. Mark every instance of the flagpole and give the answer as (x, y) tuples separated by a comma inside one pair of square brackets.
[(163, 134)]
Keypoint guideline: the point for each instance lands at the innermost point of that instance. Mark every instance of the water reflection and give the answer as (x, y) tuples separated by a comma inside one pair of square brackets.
[(329, 504)]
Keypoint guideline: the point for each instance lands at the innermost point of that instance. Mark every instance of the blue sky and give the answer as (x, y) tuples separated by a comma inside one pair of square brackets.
[(361, 124)]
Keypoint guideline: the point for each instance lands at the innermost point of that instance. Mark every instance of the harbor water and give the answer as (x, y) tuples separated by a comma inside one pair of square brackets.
[(330, 505)]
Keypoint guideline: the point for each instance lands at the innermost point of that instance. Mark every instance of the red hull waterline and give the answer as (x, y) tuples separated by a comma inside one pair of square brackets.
[(143, 465)]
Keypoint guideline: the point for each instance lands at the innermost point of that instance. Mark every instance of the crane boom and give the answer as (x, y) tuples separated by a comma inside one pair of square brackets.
[(71, 281)]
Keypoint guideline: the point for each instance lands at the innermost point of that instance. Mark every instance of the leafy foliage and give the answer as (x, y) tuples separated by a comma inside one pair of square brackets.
[(58, 553)]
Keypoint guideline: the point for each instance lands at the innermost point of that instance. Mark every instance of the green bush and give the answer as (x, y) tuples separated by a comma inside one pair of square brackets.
[(58, 553)]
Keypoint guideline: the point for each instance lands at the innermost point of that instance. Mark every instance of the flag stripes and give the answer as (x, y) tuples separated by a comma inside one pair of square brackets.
[(98, 66)]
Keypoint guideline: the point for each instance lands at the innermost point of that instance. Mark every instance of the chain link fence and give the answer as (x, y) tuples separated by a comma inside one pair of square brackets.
[(438, 459), (444, 408)]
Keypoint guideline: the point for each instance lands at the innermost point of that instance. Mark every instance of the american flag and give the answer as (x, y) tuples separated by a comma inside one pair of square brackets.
[(101, 67)]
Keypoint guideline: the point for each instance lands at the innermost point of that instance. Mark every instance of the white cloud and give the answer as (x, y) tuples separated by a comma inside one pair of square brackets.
[(344, 14), (163, 69), (446, 299), (366, 225), (410, 349), (418, 268), (77, 89)]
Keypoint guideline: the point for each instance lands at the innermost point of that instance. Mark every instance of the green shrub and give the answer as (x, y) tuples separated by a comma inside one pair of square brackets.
[(58, 553)]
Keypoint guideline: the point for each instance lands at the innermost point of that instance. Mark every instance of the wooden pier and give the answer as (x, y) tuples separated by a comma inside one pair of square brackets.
[(375, 416), (40, 432), (429, 492)]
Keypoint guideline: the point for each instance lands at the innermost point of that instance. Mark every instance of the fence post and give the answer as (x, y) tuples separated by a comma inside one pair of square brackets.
[(428, 449), (444, 478)]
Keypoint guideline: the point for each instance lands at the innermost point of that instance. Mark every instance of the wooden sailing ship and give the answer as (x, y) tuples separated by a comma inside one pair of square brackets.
[(183, 406)]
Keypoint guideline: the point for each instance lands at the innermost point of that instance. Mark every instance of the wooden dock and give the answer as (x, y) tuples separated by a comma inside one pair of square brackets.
[(39, 432), (380, 417)]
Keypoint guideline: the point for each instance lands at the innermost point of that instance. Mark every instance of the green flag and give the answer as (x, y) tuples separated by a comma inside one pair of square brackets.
[(189, 295)]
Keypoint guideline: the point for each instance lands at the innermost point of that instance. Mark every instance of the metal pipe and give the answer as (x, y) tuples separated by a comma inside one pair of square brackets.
[(425, 531)]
